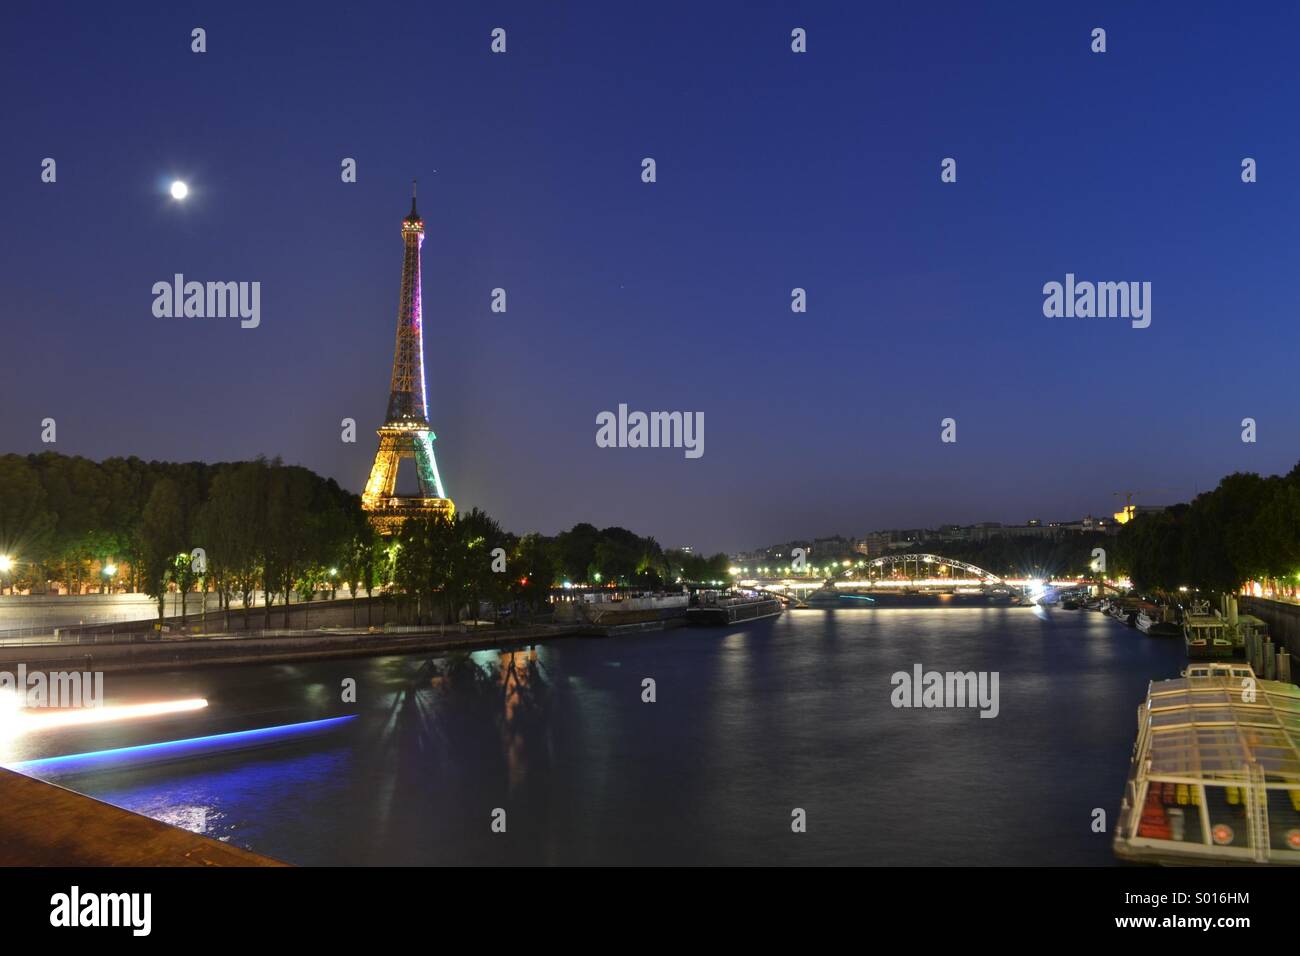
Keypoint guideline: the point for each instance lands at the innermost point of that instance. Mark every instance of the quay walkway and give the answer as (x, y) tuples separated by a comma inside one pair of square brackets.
[(46, 825), (162, 652)]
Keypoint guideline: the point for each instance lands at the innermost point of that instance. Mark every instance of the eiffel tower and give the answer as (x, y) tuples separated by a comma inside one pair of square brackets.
[(406, 432)]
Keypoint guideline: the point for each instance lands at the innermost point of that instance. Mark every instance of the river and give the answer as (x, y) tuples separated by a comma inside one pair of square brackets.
[(748, 725)]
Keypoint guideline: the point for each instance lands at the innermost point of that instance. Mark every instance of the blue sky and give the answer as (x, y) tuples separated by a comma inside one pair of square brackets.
[(775, 170)]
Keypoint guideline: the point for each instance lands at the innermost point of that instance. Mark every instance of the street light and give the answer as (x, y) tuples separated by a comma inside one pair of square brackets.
[(108, 571), (6, 565)]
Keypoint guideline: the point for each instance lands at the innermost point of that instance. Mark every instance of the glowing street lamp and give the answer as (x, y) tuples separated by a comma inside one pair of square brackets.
[(6, 566)]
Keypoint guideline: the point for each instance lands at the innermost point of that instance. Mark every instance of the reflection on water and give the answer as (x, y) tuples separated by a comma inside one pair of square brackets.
[(749, 724)]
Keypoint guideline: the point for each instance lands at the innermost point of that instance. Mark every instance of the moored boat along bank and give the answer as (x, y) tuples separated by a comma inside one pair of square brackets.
[(1215, 771), (604, 615), (145, 648), (712, 608)]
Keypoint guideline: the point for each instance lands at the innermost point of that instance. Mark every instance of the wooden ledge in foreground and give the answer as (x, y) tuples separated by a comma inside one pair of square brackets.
[(46, 825)]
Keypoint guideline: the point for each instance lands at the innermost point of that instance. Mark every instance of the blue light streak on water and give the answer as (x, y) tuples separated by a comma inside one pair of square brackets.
[(173, 749), (856, 597)]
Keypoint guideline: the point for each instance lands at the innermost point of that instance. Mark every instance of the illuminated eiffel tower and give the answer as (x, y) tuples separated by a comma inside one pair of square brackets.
[(406, 432)]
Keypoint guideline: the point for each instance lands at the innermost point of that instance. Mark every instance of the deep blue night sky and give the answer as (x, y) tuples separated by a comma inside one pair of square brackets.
[(775, 170)]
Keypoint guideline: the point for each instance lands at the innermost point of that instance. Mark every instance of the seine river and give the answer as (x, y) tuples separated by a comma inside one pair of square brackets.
[(749, 725)]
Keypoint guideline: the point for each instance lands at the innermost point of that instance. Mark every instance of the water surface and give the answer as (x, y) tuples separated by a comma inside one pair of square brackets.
[(749, 724)]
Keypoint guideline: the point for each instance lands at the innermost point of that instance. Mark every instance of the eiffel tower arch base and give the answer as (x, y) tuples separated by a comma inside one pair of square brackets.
[(386, 510)]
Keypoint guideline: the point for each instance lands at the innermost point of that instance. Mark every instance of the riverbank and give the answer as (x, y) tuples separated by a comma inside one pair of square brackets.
[(47, 825), (264, 647)]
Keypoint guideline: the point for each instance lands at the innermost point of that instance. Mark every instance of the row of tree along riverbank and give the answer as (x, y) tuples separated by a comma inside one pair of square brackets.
[(238, 528)]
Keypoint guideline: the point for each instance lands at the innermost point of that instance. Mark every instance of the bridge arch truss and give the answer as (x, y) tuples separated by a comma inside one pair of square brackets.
[(927, 567)]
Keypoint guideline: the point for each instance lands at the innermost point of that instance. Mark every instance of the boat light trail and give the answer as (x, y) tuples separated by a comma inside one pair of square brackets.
[(27, 720), (174, 749)]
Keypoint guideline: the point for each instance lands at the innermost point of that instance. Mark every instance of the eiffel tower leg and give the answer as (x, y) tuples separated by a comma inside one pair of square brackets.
[(430, 480), (383, 473)]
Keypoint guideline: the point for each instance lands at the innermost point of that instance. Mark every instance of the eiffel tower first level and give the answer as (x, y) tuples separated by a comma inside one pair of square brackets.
[(406, 432)]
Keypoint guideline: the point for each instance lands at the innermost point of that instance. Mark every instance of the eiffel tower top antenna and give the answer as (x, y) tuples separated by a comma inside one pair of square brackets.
[(415, 215)]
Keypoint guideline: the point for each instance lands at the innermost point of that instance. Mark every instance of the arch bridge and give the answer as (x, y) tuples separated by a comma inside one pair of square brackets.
[(917, 570)]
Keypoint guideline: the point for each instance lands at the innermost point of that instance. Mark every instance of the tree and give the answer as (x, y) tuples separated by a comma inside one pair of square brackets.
[(423, 562), (479, 535), (228, 528), (357, 565), (377, 568), (26, 524), (535, 566), (162, 537)]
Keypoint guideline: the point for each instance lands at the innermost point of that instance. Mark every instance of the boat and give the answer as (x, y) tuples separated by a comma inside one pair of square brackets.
[(1153, 621), (1124, 611), (1214, 776), (1208, 636), (710, 608), (827, 596), (605, 615)]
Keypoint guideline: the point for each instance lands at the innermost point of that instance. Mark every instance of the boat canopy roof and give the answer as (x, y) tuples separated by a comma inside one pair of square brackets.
[(1201, 727)]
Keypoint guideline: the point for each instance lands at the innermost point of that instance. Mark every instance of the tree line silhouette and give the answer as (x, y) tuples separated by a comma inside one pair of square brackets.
[(239, 528)]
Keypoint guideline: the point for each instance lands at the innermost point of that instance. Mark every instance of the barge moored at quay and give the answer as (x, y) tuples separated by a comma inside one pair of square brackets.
[(712, 608), (1215, 771)]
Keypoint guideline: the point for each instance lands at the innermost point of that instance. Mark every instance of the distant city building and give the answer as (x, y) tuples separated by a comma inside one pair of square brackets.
[(1129, 512), (873, 545), (877, 543), (835, 547)]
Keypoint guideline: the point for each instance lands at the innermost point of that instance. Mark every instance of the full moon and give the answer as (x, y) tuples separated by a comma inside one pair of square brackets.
[(179, 190)]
